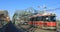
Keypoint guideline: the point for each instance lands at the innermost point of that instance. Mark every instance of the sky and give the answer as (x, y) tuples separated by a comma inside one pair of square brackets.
[(13, 5)]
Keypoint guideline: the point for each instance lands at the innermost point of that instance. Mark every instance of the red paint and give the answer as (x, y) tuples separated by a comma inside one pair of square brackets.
[(51, 23)]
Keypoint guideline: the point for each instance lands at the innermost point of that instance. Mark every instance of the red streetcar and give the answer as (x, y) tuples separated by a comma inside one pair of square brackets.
[(44, 21)]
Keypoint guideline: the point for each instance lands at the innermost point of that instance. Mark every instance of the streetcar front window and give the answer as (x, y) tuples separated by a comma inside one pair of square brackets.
[(53, 18), (46, 18), (49, 18)]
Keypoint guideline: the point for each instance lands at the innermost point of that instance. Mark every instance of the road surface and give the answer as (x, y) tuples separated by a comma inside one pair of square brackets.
[(40, 30), (58, 30)]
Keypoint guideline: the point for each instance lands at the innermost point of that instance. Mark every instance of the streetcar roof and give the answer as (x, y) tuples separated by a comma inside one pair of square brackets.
[(47, 14)]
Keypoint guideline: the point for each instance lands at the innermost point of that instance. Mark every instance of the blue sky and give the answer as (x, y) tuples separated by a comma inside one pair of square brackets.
[(13, 5)]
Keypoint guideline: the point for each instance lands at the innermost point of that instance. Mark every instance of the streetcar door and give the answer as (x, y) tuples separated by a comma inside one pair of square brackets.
[(45, 20), (39, 21)]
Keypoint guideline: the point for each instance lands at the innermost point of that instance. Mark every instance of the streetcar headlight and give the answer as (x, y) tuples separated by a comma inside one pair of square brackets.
[(47, 18)]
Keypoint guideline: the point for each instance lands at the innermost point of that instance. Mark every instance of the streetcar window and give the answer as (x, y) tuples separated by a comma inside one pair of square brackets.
[(49, 18), (31, 19), (39, 18), (35, 19), (52, 18), (46, 18)]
